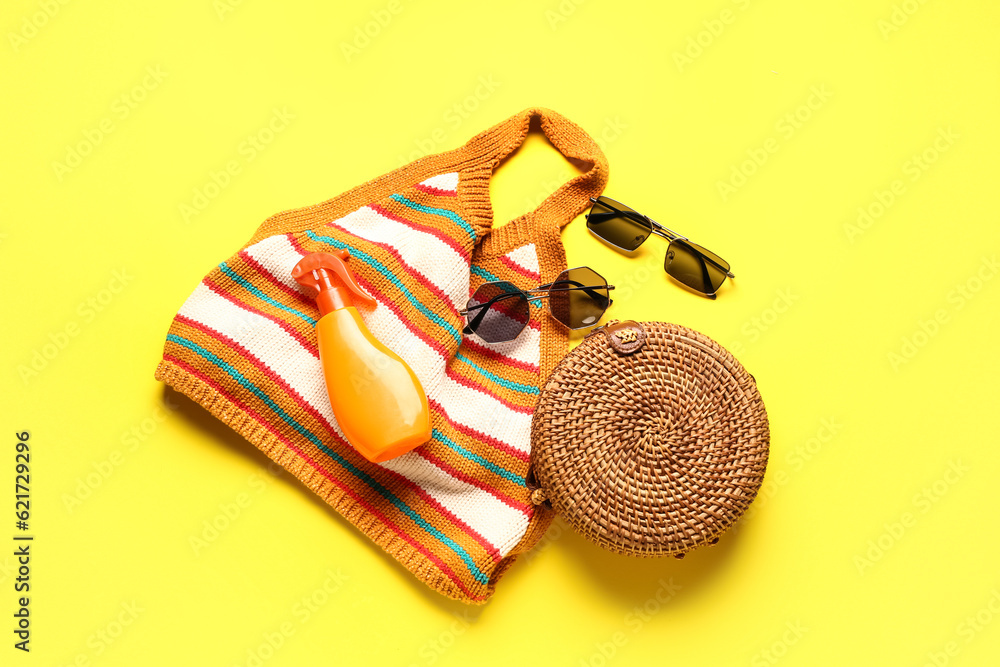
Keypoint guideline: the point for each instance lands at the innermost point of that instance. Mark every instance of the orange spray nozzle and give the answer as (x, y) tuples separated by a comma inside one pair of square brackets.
[(333, 281)]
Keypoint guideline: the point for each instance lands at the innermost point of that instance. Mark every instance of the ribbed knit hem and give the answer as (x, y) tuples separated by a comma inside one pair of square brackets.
[(414, 561)]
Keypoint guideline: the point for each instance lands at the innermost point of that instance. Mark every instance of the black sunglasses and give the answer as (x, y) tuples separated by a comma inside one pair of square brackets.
[(498, 311), (688, 263)]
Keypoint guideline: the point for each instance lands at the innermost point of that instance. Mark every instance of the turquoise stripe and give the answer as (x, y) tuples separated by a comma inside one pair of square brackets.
[(443, 212), (244, 283), (387, 272), (516, 386), (484, 274), (365, 477), (410, 512), (245, 383), (489, 465)]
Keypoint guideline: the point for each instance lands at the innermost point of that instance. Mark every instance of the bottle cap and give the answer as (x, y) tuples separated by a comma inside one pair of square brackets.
[(333, 281)]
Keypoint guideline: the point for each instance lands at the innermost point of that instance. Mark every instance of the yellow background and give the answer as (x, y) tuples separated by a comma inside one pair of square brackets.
[(845, 559)]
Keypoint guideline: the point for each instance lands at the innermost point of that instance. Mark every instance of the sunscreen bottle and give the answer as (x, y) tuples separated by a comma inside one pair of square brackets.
[(377, 399)]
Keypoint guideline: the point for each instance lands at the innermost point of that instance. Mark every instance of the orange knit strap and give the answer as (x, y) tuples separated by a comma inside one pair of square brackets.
[(490, 147)]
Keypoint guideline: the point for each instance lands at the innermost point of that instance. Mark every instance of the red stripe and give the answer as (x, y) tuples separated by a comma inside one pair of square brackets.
[(271, 278), (295, 244), (391, 305), (469, 384), (277, 320), (534, 324), (392, 526), (514, 266), (462, 252), (325, 473), (259, 365), (493, 355), (458, 474), (482, 437), (431, 190), (419, 277), (232, 399), (274, 377)]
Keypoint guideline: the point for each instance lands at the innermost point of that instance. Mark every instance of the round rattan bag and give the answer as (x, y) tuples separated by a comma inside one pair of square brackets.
[(649, 438)]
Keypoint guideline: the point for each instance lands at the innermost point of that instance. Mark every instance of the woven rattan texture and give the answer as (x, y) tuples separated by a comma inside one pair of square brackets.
[(653, 453)]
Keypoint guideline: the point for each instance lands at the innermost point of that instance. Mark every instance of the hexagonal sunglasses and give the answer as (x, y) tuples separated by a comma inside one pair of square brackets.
[(689, 263), (498, 311)]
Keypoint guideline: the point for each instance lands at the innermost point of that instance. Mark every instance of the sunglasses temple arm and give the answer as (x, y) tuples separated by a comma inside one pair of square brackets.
[(589, 289), (634, 215), (702, 255), (706, 279), (483, 308), (669, 234)]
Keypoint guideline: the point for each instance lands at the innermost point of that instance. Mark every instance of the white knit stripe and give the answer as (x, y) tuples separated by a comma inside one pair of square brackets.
[(447, 182), (525, 348), (431, 257), (480, 411), (525, 257), (267, 341), (498, 523), (264, 339), (462, 404), (278, 256)]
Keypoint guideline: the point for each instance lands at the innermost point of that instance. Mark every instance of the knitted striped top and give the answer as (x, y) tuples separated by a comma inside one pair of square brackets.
[(456, 510)]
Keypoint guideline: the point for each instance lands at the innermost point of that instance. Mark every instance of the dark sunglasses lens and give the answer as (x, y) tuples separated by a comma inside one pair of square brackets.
[(711, 255), (687, 263), (579, 308), (506, 314), (615, 228)]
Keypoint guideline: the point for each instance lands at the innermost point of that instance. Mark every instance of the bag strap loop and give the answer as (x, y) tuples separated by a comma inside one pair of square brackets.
[(490, 147)]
